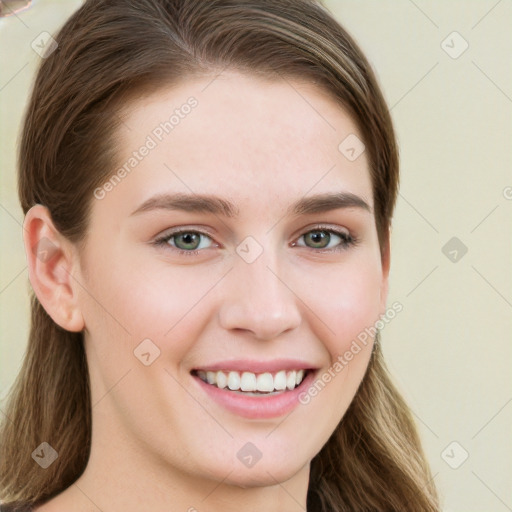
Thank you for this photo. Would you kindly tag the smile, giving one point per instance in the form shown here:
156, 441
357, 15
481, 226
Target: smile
255, 389
253, 383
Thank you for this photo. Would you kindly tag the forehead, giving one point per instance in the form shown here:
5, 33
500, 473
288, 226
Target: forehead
238, 136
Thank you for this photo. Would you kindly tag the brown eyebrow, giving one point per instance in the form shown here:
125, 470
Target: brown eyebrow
202, 203
321, 203
189, 203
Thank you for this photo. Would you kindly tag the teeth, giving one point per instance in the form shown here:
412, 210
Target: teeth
248, 382
265, 382
290, 380
251, 382
221, 379
280, 381
234, 381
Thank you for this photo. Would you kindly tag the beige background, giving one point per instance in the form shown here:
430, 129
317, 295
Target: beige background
449, 349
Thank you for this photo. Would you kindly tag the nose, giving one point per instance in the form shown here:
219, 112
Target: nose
258, 300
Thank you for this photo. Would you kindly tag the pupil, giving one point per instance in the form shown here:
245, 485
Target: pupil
319, 236
188, 238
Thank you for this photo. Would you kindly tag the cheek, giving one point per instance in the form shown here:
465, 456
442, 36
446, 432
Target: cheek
345, 307
346, 301
127, 303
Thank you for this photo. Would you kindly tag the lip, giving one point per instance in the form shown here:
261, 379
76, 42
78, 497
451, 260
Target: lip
254, 366
257, 407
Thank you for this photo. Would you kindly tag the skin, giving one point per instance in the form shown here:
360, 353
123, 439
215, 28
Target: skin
158, 441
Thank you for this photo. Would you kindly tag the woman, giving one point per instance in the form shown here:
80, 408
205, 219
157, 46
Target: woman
208, 190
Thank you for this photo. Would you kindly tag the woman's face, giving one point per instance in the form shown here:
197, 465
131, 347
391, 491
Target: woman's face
276, 272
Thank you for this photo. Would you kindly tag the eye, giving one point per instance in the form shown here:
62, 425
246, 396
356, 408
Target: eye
321, 237
187, 242
190, 242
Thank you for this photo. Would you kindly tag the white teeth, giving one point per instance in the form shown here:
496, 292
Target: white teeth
250, 382
290, 380
234, 381
265, 382
222, 381
280, 381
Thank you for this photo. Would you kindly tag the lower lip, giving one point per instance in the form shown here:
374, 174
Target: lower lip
257, 407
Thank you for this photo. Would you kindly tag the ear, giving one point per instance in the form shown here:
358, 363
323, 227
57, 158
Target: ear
51, 262
386, 262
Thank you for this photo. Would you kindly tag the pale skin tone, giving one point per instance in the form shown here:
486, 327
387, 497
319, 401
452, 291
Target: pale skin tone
158, 442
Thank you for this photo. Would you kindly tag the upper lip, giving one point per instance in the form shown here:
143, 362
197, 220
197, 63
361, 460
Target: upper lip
257, 366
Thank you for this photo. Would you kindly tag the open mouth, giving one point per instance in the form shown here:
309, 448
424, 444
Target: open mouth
254, 384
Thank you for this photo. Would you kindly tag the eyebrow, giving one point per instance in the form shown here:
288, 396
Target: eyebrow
203, 203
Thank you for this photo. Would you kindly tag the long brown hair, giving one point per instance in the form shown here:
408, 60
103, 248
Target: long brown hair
108, 51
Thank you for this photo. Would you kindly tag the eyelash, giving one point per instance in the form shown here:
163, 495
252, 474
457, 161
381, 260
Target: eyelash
347, 240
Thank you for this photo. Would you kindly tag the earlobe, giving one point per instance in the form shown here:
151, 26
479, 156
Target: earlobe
50, 261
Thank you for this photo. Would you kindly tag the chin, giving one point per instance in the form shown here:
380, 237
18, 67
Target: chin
264, 475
